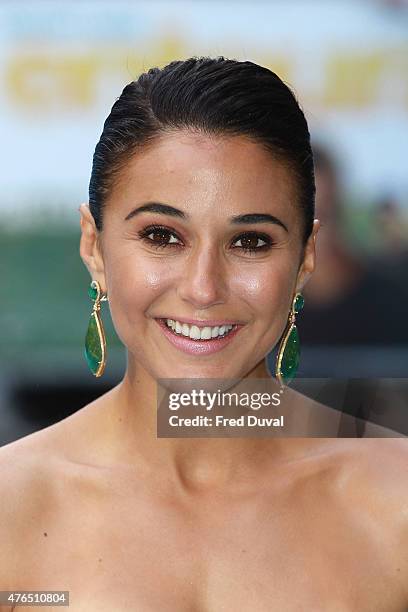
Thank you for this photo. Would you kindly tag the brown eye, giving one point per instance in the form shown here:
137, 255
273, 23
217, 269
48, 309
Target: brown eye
158, 236
162, 236
252, 241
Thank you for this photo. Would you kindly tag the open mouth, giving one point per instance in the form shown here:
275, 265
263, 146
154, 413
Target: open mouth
193, 332
198, 339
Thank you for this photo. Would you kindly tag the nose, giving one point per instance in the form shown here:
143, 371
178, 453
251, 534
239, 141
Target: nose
203, 282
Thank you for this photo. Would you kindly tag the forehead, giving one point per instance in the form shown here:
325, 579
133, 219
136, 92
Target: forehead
188, 169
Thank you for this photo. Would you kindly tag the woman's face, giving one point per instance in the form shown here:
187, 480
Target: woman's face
203, 232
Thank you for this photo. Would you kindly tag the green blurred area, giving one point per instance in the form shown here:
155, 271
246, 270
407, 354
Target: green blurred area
44, 301
369, 233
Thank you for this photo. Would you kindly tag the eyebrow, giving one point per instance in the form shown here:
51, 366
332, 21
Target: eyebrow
165, 209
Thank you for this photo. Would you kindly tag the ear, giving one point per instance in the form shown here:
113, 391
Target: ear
309, 259
90, 246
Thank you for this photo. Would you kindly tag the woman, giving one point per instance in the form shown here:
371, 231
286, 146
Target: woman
201, 214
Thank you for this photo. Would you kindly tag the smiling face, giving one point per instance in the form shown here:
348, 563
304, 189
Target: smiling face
199, 233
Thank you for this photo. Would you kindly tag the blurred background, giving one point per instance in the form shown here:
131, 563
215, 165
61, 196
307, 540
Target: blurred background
63, 64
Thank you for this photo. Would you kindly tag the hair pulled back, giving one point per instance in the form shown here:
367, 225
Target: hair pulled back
216, 96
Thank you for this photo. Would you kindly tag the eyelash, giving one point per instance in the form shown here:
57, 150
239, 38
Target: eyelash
144, 235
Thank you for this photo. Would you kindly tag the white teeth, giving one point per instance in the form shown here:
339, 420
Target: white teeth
185, 330
195, 333
206, 333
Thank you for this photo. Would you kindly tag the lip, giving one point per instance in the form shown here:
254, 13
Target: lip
198, 347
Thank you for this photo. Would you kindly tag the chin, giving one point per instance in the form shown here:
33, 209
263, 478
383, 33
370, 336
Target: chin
210, 381
202, 371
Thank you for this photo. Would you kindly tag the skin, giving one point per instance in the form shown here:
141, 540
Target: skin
100, 506
206, 278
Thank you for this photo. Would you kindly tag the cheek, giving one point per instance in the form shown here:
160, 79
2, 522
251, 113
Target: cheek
266, 287
133, 283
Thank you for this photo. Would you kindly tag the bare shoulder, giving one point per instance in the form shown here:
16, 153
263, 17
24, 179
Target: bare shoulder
377, 466
25, 474
36, 471
368, 480
24, 464
374, 483
386, 461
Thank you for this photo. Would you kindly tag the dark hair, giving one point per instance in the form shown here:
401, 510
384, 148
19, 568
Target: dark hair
212, 95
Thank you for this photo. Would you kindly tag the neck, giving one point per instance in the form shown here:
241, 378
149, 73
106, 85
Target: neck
189, 463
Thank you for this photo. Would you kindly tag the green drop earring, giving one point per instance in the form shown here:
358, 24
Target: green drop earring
95, 342
287, 360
